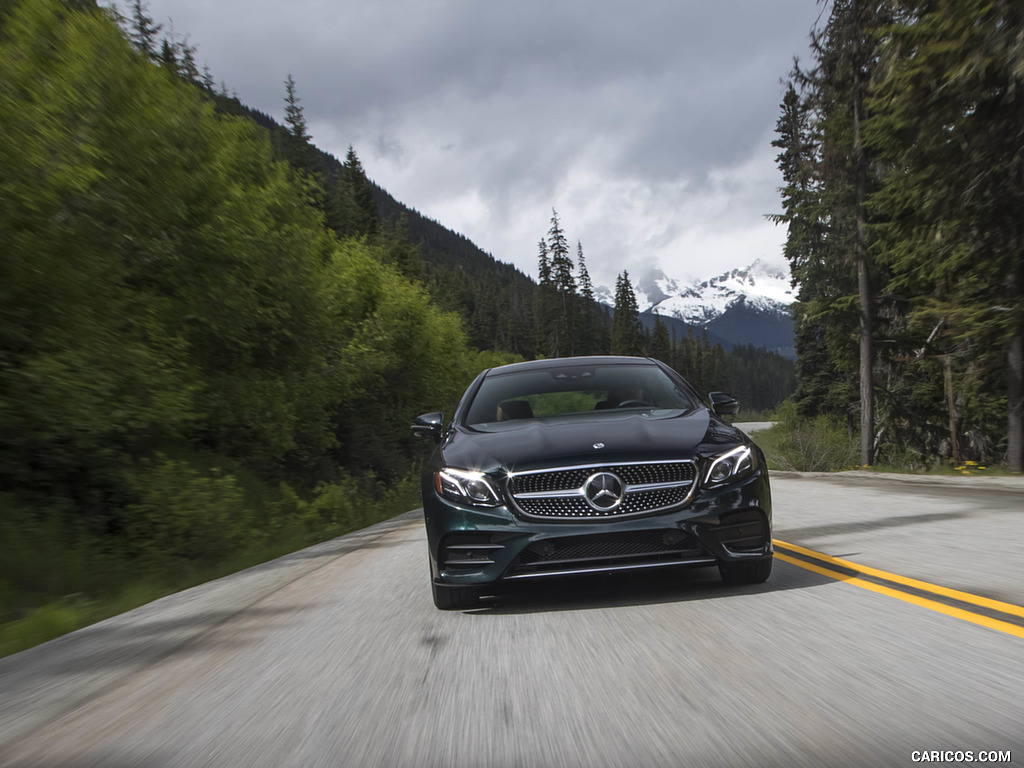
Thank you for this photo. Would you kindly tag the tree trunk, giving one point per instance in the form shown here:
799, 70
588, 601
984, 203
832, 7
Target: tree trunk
947, 370
867, 392
1015, 368
1015, 391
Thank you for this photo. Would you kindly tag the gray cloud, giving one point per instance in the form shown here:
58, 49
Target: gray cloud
646, 124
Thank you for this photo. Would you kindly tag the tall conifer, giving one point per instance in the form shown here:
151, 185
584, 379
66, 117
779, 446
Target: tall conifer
627, 333
563, 282
293, 113
661, 343
586, 287
546, 316
543, 264
847, 60
143, 31
355, 177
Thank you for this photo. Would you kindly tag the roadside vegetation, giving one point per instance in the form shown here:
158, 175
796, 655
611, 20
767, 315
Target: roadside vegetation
900, 146
204, 362
801, 444
825, 443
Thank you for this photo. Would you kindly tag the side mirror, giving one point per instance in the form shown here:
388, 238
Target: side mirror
429, 425
723, 403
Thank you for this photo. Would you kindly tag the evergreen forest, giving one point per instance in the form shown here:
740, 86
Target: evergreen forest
214, 336
901, 144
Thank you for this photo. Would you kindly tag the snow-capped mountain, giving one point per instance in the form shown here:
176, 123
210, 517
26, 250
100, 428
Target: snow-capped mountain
741, 306
761, 286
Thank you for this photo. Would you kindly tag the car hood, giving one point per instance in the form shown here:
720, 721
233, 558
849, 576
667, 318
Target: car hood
565, 440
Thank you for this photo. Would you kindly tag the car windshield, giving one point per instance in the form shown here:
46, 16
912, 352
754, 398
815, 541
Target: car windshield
574, 389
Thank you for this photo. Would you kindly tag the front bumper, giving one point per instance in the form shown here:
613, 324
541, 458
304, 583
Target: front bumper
475, 547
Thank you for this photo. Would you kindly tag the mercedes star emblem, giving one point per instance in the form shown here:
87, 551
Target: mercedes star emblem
604, 491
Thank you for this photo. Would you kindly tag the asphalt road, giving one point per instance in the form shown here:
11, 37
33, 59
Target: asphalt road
336, 656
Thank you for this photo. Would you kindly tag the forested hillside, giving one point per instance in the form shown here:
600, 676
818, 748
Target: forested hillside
902, 150
192, 364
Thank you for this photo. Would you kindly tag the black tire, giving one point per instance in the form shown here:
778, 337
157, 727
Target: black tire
753, 572
455, 598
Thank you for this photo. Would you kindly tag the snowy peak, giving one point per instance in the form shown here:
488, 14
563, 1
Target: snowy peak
652, 287
749, 306
761, 287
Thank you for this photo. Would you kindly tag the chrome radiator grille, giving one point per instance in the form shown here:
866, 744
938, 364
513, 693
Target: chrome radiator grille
605, 491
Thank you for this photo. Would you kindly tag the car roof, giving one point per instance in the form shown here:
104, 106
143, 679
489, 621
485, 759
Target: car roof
559, 362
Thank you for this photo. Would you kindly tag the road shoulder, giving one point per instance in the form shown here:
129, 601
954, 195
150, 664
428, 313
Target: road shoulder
40, 683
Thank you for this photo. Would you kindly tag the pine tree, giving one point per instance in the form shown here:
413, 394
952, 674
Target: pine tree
829, 174
298, 151
561, 263
586, 287
208, 82
546, 314
187, 68
143, 30
627, 333
543, 264
167, 57
563, 282
589, 318
661, 344
847, 60
294, 114
297, 146
825, 283
355, 178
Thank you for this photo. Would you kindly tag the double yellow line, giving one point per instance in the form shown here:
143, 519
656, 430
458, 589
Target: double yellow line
811, 561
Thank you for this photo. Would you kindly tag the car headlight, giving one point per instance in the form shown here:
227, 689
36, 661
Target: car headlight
466, 487
731, 466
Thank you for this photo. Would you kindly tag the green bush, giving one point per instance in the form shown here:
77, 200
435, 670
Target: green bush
337, 505
185, 514
821, 444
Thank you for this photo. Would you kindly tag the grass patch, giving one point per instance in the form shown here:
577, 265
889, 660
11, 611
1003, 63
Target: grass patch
34, 614
947, 469
768, 441
72, 612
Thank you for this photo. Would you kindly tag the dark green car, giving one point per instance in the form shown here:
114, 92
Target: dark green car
587, 465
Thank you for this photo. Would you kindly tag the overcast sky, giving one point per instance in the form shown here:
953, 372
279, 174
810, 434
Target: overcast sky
647, 124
